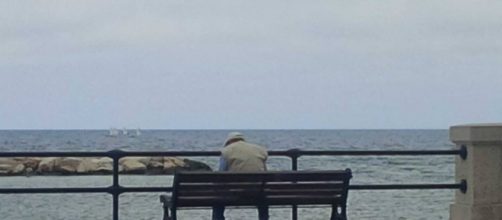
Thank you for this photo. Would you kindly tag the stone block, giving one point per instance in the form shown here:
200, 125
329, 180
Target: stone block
477, 212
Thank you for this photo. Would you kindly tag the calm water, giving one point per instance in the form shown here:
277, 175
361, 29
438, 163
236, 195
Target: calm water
384, 205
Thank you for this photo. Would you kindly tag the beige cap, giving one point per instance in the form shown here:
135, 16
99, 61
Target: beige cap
232, 136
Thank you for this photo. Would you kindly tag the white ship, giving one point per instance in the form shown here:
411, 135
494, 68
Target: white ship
113, 132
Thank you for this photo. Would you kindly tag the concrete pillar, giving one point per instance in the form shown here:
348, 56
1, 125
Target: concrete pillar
482, 169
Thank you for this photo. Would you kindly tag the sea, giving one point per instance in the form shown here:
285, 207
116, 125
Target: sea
362, 204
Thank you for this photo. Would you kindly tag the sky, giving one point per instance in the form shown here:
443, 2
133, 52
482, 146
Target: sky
253, 64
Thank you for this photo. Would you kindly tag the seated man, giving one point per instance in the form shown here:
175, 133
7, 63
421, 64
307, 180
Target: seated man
238, 155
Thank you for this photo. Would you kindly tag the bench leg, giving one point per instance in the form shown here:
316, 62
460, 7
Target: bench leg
166, 214
263, 212
173, 214
335, 215
218, 213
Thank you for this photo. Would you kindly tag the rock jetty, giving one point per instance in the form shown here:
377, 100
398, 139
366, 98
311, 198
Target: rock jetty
96, 166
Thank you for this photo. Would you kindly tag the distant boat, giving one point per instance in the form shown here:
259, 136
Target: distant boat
113, 132
135, 133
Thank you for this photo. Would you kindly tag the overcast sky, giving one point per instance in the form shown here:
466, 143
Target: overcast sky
289, 64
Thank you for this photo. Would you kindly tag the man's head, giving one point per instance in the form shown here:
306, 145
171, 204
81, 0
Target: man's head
233, 137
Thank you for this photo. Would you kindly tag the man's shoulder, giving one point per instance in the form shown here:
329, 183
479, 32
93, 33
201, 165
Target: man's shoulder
242, 143
259, 146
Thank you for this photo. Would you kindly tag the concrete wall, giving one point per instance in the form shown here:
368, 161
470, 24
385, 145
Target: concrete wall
482, 169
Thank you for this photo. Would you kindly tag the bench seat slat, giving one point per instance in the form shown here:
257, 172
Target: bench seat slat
208, 201
247, 192
303, 200
215, 193
278, 185
300, 192
222, 177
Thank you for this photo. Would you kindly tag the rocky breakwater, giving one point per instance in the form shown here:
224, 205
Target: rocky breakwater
96, 166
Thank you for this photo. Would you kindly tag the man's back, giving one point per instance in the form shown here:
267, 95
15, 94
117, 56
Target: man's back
240, 156
243, 156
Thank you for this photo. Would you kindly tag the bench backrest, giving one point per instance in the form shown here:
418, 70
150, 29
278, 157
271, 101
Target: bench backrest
199, 189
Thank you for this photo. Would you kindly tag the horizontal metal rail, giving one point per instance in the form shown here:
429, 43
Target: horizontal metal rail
462, 186
115, 189
287, 153
83, 190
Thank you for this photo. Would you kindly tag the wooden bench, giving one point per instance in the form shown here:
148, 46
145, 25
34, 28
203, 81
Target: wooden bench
272, 188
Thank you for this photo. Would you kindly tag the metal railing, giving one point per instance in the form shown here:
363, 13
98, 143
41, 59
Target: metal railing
116, 189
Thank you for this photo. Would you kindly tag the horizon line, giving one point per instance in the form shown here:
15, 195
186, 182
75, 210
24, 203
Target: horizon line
210, 129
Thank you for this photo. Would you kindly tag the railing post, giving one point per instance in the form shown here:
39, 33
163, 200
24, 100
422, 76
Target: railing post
482, 170
294, 154
115, 188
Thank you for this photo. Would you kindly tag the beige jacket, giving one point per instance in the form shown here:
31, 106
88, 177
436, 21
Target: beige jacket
243, 156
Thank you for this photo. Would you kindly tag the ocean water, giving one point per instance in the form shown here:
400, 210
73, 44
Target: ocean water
374, 205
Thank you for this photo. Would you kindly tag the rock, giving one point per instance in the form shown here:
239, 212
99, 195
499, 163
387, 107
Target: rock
5, 166
104, 160
19, 169
157, 159
177, 161
18, 158
169, 167
47, 165
32, 162
67, 165
104, 170
87, 166
144, 160
11, 166
5, 169
8, 165
9, 161
171, 164
28, 171
196, 165
133, 166
105, 165
155, 167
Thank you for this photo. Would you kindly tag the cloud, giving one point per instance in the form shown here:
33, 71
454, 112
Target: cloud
355, 26
266, 58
